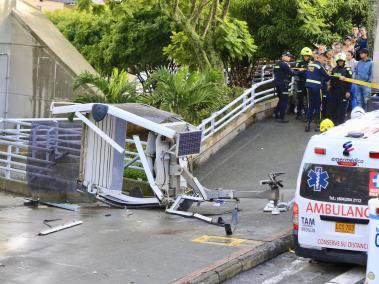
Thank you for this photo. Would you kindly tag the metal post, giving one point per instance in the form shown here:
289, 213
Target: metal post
244, 99
213, 123
18, 129
5, 114
252, 95
9, 159
263, 73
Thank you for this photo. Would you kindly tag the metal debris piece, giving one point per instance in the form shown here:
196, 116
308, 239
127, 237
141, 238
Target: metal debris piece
66, 206
31, 202
59, 228
47, 221
35, 202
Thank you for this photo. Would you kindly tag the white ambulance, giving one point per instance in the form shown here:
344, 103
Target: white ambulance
338, 175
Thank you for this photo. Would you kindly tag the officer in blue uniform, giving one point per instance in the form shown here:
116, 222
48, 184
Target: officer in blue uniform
306, 54
282, 78
316, 75
339, 90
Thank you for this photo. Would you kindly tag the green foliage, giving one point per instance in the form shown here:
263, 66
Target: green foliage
120, 34
117, 89
233, 40
86, 32
84, 5
193, 95
206, 37
293, 24
135, 174
136, 44
179, 48
140, 35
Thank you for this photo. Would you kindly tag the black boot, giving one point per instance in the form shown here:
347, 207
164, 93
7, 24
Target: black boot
308, 126
317, 126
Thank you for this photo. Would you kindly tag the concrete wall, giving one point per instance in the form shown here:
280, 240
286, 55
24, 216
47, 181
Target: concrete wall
41, 66
23, 189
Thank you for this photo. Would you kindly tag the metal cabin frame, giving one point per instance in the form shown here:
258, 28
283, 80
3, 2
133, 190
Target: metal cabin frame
102, 164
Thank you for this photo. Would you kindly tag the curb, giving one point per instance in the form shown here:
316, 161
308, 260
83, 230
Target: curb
238, 262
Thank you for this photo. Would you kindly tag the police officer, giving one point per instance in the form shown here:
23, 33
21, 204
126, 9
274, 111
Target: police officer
282, 77
316, 75
339, 90
302, 65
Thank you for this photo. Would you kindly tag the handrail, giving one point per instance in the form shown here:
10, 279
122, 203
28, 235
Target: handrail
239, 105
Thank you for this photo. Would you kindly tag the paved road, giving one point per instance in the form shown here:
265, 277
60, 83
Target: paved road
289, 269
266, 146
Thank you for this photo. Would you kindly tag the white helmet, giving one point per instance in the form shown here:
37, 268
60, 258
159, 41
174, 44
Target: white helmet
357, 112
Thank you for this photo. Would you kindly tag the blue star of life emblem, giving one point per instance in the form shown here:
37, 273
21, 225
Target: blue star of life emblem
318, 179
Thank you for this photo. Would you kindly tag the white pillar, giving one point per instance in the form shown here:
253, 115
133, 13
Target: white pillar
375, 56
372, 271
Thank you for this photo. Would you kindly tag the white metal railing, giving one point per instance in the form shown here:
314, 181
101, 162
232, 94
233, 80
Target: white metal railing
132, 158
16, 147
20, 143
247, 100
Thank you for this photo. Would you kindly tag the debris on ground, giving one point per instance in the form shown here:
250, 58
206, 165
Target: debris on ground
59, 228
66, 206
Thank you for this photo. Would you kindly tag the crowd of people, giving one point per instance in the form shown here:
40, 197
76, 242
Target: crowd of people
323, 89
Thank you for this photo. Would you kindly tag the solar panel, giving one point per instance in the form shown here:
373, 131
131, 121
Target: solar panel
188, 143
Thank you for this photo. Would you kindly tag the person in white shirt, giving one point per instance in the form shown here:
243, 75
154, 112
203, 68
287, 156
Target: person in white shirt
352, 64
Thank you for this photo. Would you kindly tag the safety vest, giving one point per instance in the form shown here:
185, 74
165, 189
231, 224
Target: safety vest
316, 75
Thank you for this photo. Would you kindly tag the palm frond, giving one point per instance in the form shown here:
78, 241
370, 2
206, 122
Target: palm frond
87, 78
193, 95
116, 90
89, 98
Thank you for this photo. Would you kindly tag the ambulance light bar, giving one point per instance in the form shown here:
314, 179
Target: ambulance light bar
374, 155
320, 151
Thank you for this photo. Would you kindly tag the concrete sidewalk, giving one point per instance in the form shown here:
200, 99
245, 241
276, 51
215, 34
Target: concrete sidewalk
149, 246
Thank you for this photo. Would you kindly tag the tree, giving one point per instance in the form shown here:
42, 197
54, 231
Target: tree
86, 32
199, 23
136, 44
290, 25
117, 89
121, 34
191, 94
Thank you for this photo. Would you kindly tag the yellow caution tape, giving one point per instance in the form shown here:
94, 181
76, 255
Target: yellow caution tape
362, 83
359, 82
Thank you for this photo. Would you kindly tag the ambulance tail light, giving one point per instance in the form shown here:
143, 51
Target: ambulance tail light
295, 216
377, 211
374, 155
320, 151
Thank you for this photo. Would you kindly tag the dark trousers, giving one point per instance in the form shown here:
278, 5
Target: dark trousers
337, 106
281, 107
314, 104
325, 104
301, 97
